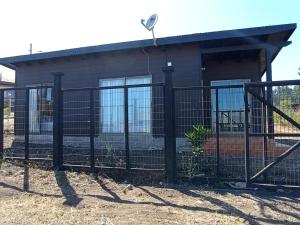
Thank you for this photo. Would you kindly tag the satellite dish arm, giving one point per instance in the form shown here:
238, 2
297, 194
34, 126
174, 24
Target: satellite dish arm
154, 39
143, 23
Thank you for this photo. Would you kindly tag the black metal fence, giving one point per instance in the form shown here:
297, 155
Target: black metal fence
273, 135
218, 109
121, 126
244, 132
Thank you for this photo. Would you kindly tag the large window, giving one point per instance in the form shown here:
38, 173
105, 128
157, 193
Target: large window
231, 106
112, 105
40, 110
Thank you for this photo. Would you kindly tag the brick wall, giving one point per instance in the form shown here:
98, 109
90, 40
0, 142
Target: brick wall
234, 146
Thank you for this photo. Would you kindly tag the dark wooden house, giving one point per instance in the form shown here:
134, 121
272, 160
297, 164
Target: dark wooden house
203, 59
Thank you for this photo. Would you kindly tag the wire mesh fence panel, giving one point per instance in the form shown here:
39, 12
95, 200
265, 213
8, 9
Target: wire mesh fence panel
209, 131
76, 127
195, 138
274, 134
123, 121
231, 129
109, 127
146, 127
14, 115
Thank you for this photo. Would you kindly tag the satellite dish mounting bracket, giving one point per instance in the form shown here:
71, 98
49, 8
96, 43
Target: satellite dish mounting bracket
150, 25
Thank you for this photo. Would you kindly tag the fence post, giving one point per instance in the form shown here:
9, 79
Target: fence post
1, 124
126, 128
170, 135
57, 121
246, 125
268, 57
217, 132
265, 143
26, 145
92, 130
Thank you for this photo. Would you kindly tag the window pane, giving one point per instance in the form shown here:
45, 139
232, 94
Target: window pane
231, 103
112, 106
34, 125
40, 110
139, 105
46, 109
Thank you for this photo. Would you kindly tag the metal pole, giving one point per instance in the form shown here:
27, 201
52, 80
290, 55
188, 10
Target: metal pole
126, 128
57, 121
1, 124
92, 130
265, 143
246, 135
268, 57
170, 135
217, 133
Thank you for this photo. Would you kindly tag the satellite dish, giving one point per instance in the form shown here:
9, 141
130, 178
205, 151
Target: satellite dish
150, 25
150, 22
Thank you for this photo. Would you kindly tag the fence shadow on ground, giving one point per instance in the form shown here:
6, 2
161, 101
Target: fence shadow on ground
67, 190
263, 200
226, 208
18, 189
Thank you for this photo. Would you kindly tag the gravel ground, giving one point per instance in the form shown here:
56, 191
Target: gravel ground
76, 198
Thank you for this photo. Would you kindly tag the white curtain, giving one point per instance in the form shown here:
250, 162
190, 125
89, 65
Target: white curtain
112, 106
139, 105
33, 111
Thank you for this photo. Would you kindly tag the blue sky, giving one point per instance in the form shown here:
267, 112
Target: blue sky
60, 24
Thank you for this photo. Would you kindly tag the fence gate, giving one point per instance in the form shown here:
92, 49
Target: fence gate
272, 134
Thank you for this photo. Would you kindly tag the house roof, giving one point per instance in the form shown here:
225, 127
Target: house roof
7, 83
275, 33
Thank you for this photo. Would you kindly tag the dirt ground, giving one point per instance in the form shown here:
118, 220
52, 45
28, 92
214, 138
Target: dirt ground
77, 198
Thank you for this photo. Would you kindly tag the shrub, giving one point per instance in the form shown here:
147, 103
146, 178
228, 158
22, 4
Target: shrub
6, 111
197, 137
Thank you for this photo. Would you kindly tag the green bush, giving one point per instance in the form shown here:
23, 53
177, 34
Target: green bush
197, 137
6, 110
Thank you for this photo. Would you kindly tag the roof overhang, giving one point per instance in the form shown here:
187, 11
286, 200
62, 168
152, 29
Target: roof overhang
230, 40
7, 83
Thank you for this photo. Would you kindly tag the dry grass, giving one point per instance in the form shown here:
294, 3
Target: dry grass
72, 198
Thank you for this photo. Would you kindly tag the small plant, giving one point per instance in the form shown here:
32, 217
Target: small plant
110, 156
189, 165
6, 111
197, 137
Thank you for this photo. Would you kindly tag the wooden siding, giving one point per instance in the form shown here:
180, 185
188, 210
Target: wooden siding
85, 71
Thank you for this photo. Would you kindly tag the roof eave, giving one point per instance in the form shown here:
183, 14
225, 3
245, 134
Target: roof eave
10, 62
